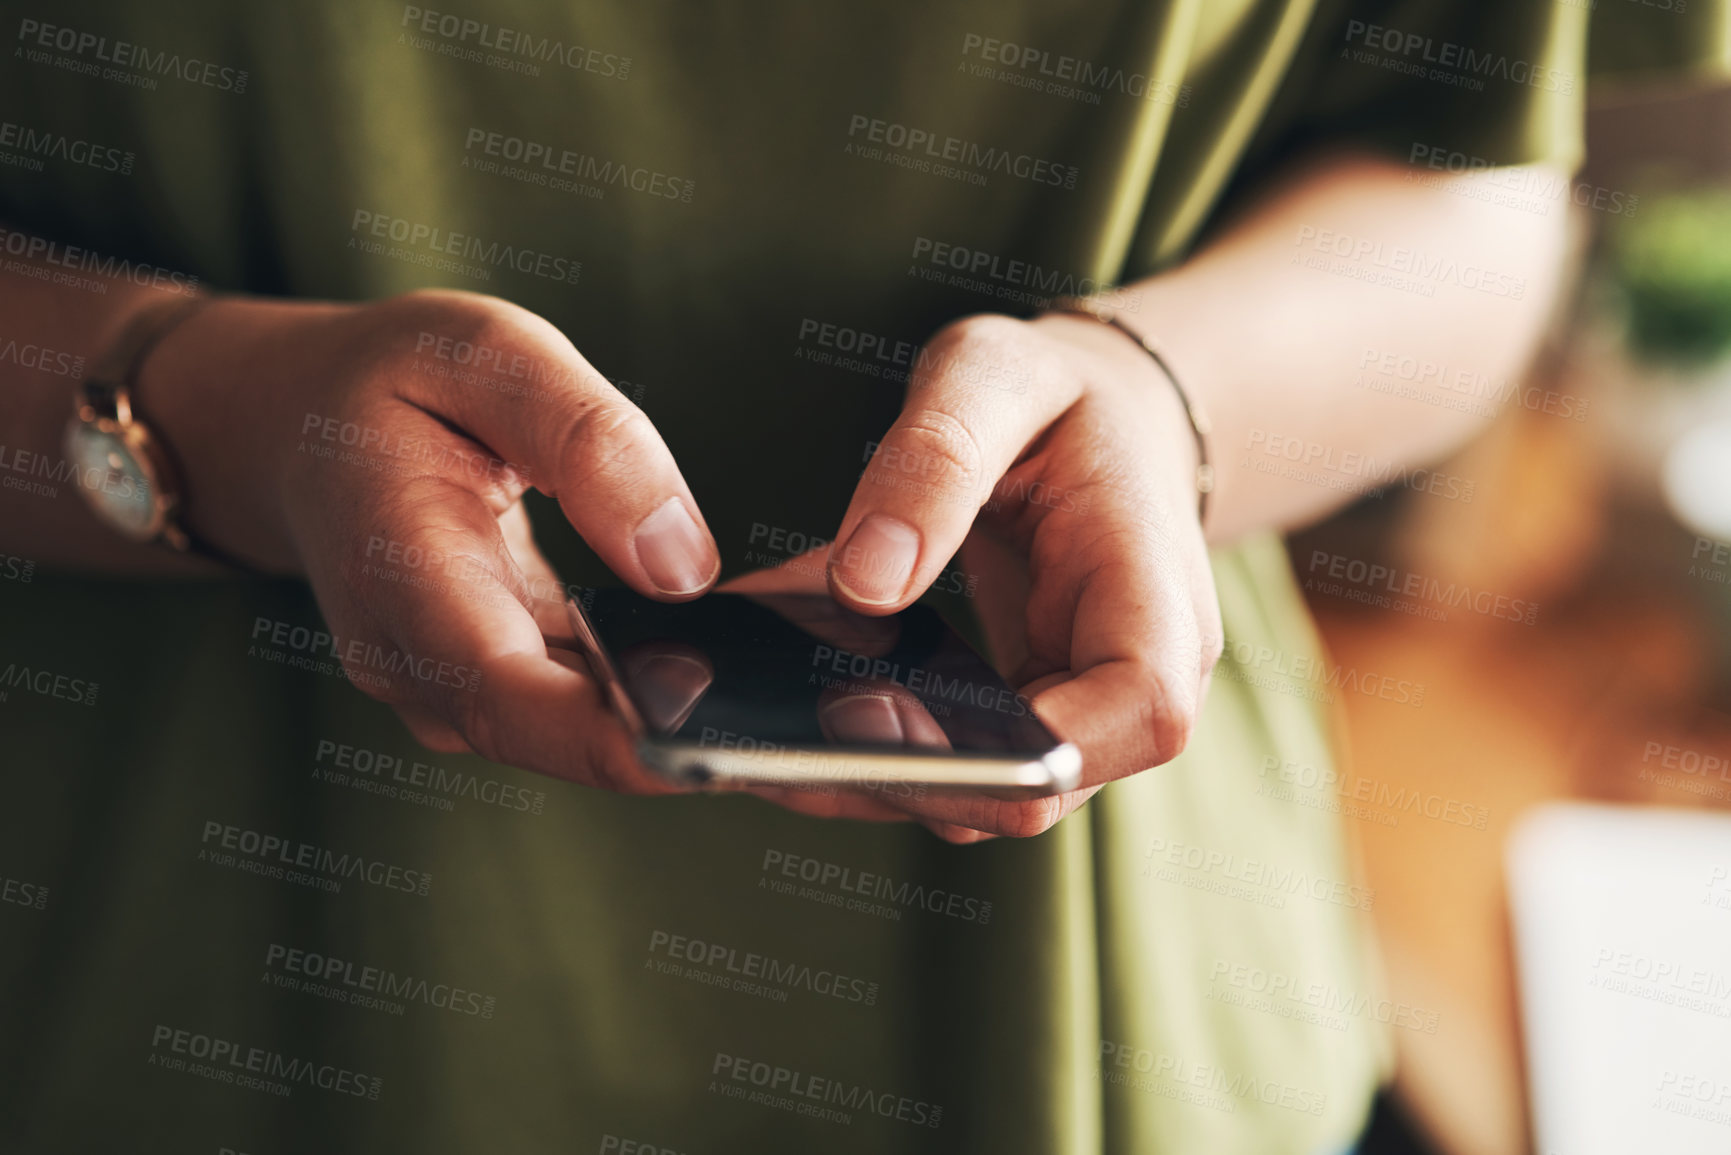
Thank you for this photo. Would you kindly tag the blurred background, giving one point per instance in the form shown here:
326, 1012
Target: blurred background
1602, 504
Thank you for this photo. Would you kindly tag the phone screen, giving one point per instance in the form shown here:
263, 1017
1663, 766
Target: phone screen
762, 672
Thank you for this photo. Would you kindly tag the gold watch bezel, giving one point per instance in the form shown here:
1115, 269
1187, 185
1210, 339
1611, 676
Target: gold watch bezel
148, 457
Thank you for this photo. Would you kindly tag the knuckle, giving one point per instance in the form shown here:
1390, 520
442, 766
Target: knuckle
1213, 643
984, 350
1172, 702
390, 691
407, 326
1028, 819
983, 334
946, 450
450, 312
476, 716
1171, 735
599, 438
438, 739
351, 645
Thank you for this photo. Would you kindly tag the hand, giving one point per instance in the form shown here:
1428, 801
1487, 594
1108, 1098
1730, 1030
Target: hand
1054, 456
382, 450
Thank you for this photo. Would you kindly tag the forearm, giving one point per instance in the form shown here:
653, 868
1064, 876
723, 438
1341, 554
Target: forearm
207, 389
1275, 349
50, 337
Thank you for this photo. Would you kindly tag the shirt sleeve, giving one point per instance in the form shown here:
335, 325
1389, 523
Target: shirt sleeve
1503, 82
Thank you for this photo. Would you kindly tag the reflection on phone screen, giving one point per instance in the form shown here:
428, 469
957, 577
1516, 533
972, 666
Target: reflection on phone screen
798, 670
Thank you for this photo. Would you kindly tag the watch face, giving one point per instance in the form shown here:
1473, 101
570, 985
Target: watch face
116, 482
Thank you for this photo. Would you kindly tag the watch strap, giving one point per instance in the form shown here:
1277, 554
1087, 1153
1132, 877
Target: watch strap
115, 372
108, 389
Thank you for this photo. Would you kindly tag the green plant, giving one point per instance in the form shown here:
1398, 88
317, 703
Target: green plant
1672, 265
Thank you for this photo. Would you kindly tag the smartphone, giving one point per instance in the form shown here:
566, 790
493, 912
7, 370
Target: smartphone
736, 690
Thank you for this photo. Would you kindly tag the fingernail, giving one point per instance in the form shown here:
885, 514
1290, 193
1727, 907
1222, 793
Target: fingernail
877, 561
673, 551
864, 718
668, 687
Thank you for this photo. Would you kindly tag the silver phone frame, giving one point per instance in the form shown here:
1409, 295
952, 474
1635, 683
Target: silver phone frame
695, 766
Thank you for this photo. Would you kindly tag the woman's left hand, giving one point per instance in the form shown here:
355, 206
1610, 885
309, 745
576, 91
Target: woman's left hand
1055, 456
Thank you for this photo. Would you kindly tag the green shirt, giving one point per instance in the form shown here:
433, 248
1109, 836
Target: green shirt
244, 910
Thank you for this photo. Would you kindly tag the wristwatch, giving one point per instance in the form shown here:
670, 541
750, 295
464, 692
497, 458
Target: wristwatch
126, 472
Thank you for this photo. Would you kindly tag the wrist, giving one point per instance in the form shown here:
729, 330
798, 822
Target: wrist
206, 390
1125, 360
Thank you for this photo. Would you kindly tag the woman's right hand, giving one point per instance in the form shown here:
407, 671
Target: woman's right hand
354, 445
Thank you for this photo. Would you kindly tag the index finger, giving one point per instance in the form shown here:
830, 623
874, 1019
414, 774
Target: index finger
582, 441
958, 433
